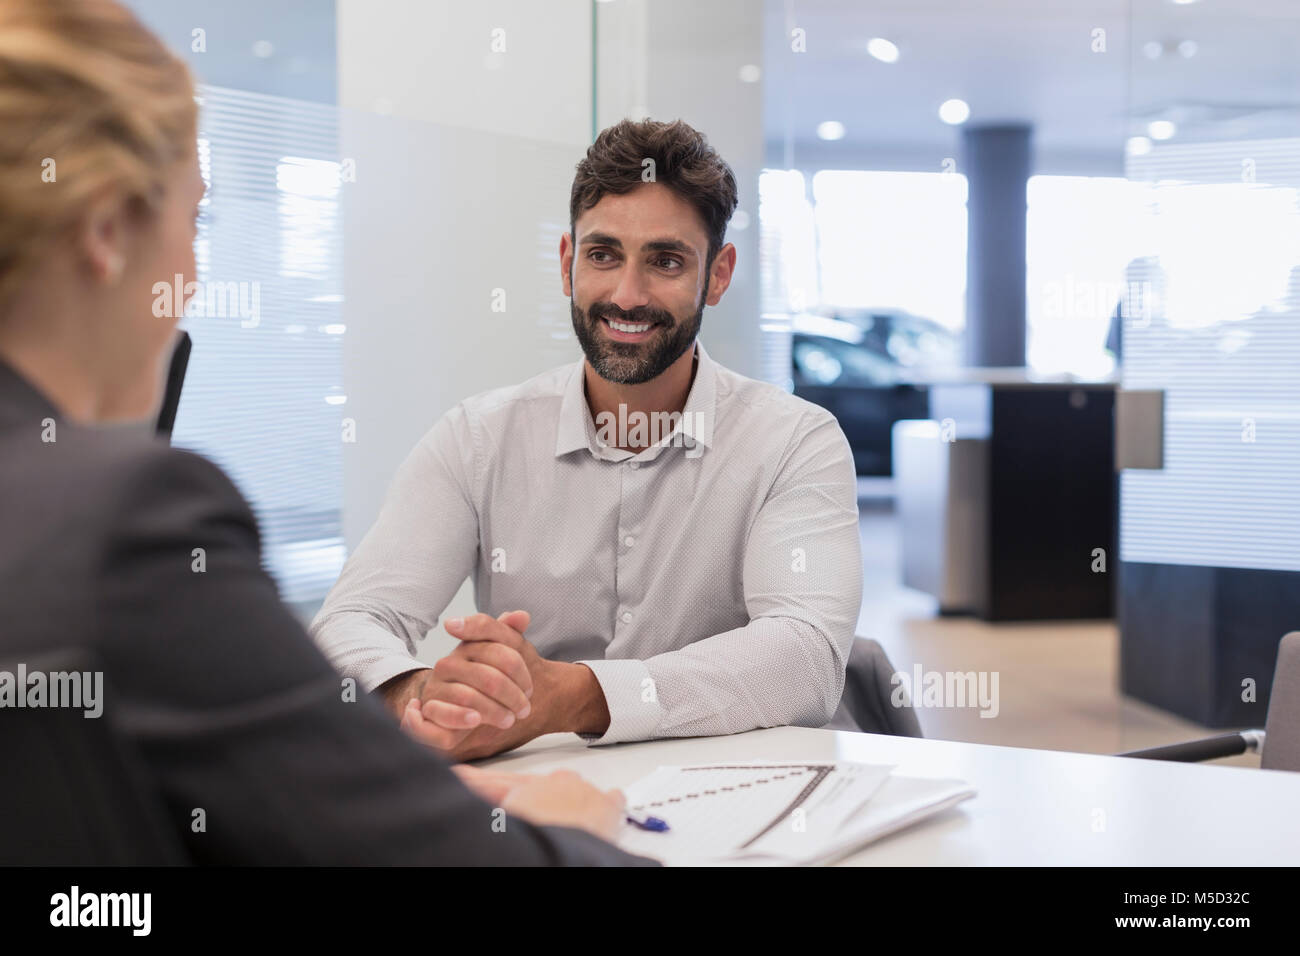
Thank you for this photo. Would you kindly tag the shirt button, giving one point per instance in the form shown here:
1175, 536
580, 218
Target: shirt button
634, 465
629, 541
627, 617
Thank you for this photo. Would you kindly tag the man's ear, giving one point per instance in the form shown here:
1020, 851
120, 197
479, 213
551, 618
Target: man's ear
566, 264
720, 273
101, 238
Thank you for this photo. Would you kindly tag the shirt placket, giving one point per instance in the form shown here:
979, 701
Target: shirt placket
629, 582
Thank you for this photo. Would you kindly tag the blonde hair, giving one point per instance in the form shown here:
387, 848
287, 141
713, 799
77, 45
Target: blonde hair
82, 83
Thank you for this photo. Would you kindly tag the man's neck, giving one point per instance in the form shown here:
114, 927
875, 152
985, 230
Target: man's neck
666, 392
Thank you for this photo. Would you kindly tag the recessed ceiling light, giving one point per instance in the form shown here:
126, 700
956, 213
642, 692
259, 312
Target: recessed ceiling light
263, 49
882, 50
750, 73
1161, 129
1187, 49
830, 130
1152, 49
1183, 3
954, 112
1137, 146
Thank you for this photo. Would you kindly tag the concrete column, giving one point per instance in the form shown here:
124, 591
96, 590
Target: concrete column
997, 163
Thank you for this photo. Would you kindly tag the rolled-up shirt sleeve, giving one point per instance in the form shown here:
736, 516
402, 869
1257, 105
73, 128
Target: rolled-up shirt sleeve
803, 592
410, 564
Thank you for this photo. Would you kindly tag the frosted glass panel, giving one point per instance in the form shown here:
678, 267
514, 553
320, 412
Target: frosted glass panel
1214, 321
451, 265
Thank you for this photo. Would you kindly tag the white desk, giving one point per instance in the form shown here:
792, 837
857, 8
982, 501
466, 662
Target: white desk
1034, 807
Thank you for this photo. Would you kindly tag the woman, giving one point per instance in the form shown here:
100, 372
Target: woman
148, 557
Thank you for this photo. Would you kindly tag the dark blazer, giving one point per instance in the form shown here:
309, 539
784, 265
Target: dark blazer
211, 680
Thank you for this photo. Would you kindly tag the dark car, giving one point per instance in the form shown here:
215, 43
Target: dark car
856, 364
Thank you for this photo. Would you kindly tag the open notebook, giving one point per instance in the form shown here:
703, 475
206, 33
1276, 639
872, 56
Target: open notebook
779, 812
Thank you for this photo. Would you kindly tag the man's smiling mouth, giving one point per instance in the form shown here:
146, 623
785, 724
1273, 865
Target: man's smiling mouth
629, 326
621, 331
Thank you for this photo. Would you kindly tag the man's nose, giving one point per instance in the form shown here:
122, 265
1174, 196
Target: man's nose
631, 292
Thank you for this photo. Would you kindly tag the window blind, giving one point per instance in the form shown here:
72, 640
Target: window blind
263, 395
1220, 334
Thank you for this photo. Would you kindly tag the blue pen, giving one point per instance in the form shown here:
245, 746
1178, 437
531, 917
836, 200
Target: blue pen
649, 823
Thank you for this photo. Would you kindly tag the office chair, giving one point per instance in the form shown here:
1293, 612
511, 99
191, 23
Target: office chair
1278, 743
75, 792
866, 705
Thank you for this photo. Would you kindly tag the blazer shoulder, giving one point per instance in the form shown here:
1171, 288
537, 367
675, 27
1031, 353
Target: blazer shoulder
149, 465
116, 479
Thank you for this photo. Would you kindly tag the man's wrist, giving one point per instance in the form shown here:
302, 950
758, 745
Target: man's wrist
396, 691
578, 701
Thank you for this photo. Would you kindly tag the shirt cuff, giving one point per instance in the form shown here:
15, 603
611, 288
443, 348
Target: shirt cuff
632, 699
386, 668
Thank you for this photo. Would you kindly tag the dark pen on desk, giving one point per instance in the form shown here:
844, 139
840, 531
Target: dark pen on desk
654, 824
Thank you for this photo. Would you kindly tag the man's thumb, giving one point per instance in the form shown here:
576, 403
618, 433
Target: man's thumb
519, 620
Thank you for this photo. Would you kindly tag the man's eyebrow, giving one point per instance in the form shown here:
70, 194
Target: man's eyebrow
654, 245
600, 239
669, 245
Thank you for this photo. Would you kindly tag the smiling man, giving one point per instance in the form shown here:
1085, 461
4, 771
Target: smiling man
659, 546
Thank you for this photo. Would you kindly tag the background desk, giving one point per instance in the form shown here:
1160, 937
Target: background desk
1034, 807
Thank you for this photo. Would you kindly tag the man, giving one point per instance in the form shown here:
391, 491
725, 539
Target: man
703, 578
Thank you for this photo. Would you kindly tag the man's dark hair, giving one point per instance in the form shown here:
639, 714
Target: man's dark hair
683, 161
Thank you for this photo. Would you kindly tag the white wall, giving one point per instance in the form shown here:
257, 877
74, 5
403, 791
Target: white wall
464, 158
460, 190
442, 61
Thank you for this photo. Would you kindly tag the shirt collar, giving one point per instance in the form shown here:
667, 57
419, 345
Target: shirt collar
577, 430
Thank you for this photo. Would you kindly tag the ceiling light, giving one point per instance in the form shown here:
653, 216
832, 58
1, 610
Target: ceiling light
1137, 146
954, 112
1187, 49
1161, 129
1152, 49
830, 130
882, 50
750, 73
263, 49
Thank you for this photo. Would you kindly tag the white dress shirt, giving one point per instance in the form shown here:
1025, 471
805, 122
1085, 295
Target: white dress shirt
711, 581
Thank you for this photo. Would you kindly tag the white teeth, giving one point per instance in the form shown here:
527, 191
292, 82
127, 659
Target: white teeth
624, 327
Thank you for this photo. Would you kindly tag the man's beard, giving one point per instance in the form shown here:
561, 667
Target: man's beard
631, 363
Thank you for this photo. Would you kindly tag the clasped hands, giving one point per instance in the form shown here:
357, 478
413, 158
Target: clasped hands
494, 692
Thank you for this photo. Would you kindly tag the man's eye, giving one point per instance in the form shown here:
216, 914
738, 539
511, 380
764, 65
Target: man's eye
596, 255
668, 262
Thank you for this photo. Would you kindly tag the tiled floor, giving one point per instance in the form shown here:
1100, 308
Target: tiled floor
1057, 681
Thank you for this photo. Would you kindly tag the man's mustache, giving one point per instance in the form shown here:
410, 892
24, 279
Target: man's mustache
637, 316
